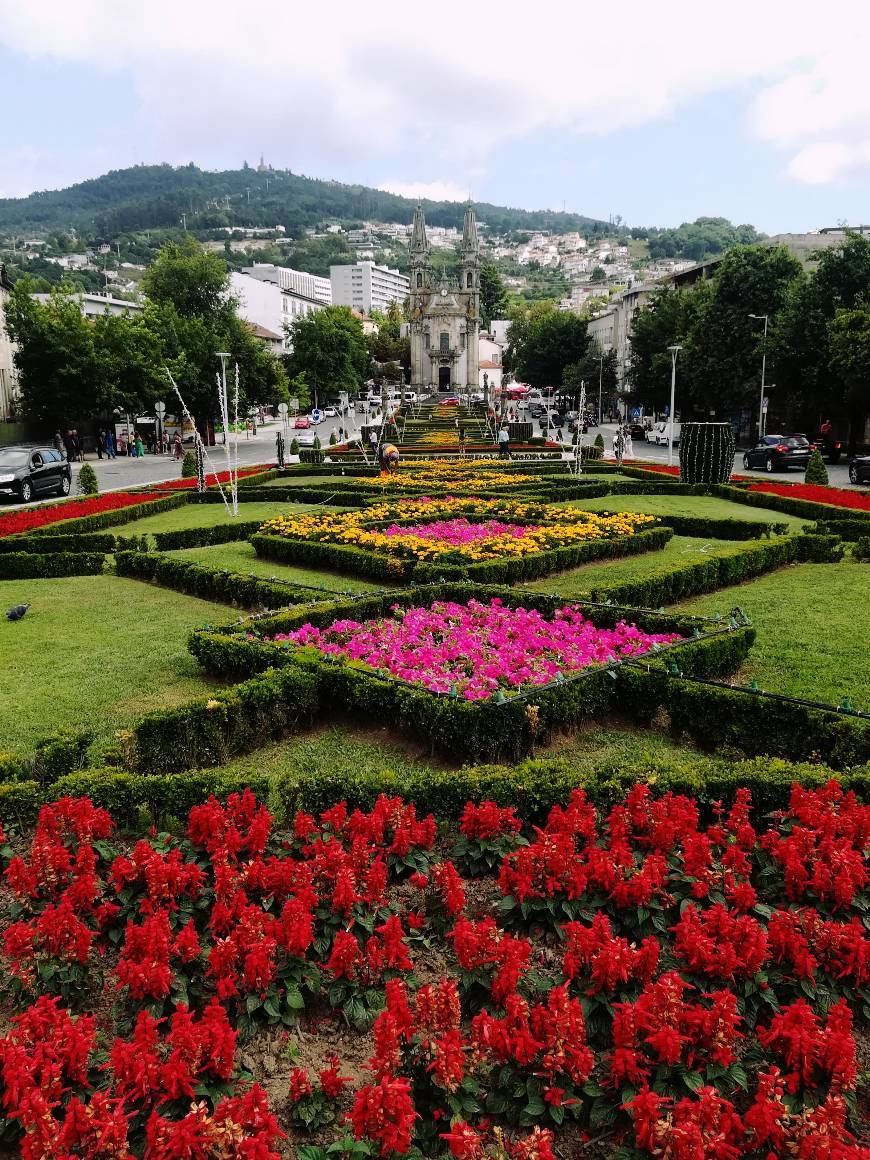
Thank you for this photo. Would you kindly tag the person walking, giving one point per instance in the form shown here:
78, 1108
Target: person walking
101, 445
110, 443
628, 449
618, 446
140, 448
58, 444
176, 442
504, 450
461, 442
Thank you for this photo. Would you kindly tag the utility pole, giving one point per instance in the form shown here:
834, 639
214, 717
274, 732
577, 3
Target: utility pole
758, 317
675, 350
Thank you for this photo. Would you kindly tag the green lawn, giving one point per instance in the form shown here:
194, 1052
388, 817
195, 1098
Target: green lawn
94, 652
350, 751
207, 515
709, 506
678, 550
812, 629
241, 557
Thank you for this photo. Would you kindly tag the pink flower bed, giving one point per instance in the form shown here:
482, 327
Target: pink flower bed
461, 531
477, 648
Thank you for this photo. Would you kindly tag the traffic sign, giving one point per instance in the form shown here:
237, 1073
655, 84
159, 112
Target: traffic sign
282, 408
764, 405
635, 412
159, 410
316, 415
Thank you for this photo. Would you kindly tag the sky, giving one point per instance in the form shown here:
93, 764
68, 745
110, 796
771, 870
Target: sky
755, 111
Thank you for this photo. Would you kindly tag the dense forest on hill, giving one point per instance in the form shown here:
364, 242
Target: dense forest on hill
156, 196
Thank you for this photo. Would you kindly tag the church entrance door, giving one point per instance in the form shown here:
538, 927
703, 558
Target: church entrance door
444, 380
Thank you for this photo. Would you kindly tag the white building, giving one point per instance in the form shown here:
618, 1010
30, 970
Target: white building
366, 286
94, 305
269, 306
297, 281
490, 362
7, 364
498, 329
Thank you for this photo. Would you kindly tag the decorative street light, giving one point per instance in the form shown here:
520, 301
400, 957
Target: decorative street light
675, 350
759, 317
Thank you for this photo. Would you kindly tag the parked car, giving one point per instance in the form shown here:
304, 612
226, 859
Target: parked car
778, 453
302, 423
26, 472
636, 430
859, 469
650, 434
330, 412
307, 439
409, 396
556, 419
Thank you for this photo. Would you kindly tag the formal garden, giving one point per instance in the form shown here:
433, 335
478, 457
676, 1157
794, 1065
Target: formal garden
478, 809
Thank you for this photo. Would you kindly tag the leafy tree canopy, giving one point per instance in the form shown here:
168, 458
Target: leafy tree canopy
543, 341
329, 348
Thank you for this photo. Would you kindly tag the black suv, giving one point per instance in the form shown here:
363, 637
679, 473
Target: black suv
28, 472
779, 453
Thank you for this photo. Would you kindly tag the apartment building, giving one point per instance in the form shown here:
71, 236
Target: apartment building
366, 286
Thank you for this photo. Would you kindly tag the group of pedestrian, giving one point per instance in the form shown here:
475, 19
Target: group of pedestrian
69, 445
622, 445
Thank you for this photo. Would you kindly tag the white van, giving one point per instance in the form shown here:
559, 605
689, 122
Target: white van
663, 434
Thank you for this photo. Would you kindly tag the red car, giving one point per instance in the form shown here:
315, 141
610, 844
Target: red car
451, 402
302, 423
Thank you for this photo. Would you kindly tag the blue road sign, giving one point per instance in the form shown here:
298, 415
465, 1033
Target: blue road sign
635, 412
316, 415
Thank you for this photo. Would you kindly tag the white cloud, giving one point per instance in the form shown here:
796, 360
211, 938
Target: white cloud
313, 85
423, 190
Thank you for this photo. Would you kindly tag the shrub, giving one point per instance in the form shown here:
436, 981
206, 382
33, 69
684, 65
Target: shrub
861, 551
599, 441
188, 466
816, 471
294, 447
38, 566
76, 542
333, 439
88, 480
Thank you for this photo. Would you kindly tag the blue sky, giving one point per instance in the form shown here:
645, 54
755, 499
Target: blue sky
757, 113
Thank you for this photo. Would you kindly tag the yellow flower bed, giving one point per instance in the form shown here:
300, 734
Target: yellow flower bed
551, 527
447, 473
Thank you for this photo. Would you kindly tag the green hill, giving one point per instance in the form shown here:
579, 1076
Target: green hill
155, 197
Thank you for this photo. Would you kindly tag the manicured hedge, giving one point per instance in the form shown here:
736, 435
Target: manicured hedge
533, 786
40, 566
211, 730
40, 543
723, 529
204, 537
850, 529
381, 566
211, 583
719, 569
719, 717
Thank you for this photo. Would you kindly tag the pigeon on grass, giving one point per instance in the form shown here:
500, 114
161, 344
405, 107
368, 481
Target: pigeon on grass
17, 611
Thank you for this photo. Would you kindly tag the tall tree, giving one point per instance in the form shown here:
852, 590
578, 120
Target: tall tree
722, 360
59, 373
543, 342
329, 348
386, 345
494, 297
666, 320
849, 347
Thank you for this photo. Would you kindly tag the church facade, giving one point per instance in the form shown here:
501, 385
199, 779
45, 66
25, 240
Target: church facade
444, 318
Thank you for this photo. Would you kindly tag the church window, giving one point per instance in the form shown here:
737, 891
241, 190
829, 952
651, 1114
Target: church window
419, 281
468, 279
445, 342
462, 340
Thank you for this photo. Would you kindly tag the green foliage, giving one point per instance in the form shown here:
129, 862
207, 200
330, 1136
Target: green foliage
861, 551
188, 466
699, 239
294, 446
599, 441
329, 348
494, 297
333, 439
76, 542
666, 320
36, 566
543, 342
209, 583
816, 472
88, 480
849, 343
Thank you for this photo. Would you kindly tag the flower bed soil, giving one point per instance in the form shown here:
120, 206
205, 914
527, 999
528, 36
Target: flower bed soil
669, 984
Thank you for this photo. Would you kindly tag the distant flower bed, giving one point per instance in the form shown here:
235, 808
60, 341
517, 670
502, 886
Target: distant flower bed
544, 527
476, 649
210, 480
461, 531
74, 509
448, 472
835, 496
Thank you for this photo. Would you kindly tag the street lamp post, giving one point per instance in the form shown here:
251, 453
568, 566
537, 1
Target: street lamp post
600, 381
675, 350
759, 317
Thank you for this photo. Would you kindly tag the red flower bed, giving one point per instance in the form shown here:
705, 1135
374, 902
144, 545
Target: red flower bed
30, 519
210, 480
686, 987
835, 496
